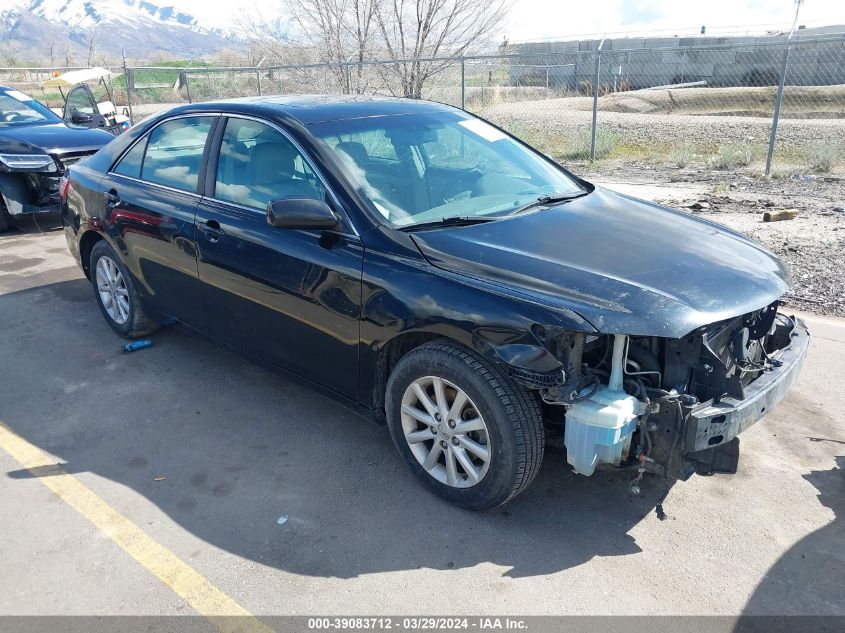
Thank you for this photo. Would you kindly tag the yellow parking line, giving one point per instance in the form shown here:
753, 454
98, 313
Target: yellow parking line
181, 578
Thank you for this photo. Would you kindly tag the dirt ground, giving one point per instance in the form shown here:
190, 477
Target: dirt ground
812, 245
558, 120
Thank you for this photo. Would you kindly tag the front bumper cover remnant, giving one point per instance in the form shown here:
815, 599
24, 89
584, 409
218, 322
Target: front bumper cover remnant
713, 424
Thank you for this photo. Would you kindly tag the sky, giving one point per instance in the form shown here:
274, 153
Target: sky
618, 17
547, 19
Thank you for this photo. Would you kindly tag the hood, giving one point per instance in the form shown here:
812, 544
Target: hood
625, 265
52, 138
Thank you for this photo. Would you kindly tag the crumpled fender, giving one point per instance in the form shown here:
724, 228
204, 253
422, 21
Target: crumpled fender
515, 349
495, 324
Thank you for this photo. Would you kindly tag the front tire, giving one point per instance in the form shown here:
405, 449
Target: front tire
5, 224
116, 295
468, 432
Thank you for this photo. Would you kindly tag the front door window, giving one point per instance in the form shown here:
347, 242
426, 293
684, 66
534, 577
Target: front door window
258, 164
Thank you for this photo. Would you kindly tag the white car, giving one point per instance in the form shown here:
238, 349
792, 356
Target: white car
81, 107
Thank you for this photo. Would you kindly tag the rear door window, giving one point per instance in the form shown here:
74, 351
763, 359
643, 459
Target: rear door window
174, 152
130, 164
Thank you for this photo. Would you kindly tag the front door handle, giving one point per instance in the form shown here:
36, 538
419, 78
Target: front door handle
112, 199
212, 231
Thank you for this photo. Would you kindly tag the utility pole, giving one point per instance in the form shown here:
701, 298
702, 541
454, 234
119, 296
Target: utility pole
595, 102
779, 97
128, 79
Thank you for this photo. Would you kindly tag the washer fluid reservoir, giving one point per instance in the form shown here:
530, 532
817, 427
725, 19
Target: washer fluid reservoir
598, 430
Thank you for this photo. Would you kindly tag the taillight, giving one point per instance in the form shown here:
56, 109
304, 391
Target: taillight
64, 185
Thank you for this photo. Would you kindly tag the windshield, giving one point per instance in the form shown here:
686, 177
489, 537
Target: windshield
16, 108
417, 169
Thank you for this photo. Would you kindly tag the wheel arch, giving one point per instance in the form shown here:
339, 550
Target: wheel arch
520, 354
406, 303
386, 359
86, 245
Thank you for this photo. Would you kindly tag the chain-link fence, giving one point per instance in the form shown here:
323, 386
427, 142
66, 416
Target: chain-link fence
712, 105
708, 106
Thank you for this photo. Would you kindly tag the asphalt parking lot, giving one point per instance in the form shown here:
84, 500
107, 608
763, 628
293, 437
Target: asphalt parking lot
178, 461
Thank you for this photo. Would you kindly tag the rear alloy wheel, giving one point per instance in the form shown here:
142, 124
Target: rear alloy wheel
116, 294
468, 432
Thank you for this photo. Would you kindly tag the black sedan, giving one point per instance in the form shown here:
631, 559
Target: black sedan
436, 274
36, 147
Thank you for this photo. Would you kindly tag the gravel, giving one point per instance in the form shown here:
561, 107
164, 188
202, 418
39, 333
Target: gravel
562, 118
812, 245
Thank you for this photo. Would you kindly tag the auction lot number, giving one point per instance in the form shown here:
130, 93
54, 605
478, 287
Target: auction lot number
423, 623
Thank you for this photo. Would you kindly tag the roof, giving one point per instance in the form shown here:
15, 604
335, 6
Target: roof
73, 77
309, 109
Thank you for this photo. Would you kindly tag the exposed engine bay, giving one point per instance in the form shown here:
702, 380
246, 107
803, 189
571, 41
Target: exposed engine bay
673, 407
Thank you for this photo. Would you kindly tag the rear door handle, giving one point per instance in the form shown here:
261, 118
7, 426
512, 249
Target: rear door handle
212, 231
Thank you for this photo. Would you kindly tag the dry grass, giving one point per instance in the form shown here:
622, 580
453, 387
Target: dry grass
606, 143
732, 155
821, 158
681, 155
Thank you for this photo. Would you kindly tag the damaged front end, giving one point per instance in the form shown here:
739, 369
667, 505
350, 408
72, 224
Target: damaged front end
671, 406
31, 183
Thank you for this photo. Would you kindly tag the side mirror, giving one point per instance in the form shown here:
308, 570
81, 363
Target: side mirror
80, 118
297, 212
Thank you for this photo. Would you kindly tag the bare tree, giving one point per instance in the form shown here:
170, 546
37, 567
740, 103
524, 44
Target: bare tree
414, 32
332, 32
343, 34
91, 41
255, 54
340, 31
364, 13
10, 55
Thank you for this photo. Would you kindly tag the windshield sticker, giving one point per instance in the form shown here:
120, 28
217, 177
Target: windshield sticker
482, 129
18, 96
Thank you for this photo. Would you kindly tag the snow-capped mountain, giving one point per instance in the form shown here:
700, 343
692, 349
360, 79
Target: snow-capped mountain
142, 27
91, 13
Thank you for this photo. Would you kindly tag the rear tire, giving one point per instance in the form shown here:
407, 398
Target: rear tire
468, 432
116, 295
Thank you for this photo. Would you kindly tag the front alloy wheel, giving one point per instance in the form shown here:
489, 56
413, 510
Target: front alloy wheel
468, 432
445, 432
